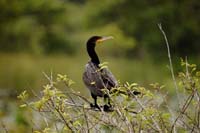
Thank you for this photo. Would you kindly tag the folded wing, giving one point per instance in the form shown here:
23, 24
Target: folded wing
96, 79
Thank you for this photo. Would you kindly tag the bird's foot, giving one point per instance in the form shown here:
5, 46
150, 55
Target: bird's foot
108, 108
95, 106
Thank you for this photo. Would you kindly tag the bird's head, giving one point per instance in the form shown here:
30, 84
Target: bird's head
91, 43
98, 39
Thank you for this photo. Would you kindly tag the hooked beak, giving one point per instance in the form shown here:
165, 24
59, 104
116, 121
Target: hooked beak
104, 39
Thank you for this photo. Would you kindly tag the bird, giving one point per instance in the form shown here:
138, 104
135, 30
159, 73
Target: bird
95, 78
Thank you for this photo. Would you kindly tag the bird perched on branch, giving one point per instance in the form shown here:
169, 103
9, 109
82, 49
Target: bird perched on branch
96, 78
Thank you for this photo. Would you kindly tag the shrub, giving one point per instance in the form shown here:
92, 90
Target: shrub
68, 110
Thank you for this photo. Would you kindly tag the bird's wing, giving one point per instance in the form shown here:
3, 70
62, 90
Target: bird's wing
96, 79
108, 78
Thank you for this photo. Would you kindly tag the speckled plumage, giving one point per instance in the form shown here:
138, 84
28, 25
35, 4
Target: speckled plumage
96, 79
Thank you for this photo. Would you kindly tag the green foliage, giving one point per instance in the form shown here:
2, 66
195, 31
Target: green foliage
50, 26
138, 20
34, 26
149, 111
46, 130
23, 96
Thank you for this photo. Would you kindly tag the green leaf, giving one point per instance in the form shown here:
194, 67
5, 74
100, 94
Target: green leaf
198, 74
23, 105
46, 130
103, 64
133, 84
36, 132
92, 83
23, 96
77, 123
70, 82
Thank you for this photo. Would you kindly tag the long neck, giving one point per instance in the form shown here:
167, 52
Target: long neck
92, 53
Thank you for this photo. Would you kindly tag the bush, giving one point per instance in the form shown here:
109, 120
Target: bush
68, 110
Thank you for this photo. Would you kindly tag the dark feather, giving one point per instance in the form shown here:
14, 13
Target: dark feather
96, 79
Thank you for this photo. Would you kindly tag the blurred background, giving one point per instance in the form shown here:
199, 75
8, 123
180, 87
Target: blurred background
39, 36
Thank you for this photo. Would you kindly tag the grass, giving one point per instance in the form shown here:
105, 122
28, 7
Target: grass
24, 71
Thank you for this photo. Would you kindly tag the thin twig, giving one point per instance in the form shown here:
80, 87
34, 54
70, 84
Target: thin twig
107, 122
170, 62
171, 66
184, 108
80, 96
61, 116
186, 68
86, 120
144, 108
4, 127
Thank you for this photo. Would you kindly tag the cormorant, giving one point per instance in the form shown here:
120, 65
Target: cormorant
96, 78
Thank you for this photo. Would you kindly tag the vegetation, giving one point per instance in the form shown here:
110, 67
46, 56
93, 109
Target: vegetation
48, 26
42, 36
68, 110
